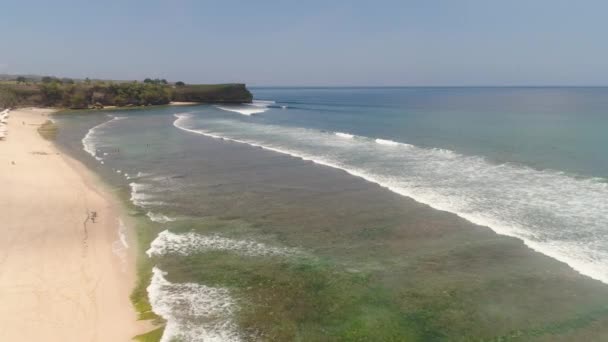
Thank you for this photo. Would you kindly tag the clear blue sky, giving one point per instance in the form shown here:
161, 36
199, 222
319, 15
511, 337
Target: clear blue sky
310, 42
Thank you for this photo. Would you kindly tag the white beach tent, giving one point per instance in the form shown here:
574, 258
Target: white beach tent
3, 122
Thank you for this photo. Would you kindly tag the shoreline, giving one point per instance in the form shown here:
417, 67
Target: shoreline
63, 274
57, 110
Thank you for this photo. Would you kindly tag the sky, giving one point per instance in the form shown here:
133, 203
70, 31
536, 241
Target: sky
311, 42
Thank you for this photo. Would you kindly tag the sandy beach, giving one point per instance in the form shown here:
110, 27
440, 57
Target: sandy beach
63, 277
177, 103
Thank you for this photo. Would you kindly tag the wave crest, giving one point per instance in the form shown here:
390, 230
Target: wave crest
182, 304
248, 109
188, 243
90, 142
344, 135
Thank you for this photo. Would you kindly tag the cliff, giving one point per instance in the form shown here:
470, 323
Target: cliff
213, 93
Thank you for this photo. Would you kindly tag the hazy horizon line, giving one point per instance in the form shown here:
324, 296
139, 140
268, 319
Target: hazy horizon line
254, 85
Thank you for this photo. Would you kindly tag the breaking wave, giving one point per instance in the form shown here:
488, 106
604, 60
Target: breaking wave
344, 135
188, 243
387, 142
120, 246
255, 107
194, 312
90, 142
160, 218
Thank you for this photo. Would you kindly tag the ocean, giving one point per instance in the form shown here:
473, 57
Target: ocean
255, 228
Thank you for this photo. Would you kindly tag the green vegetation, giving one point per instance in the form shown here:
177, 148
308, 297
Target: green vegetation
48, 130
8, 97
303, 299
146, 232
82, 94
226, 93
156, 81
151, 336
286, 298
316, 297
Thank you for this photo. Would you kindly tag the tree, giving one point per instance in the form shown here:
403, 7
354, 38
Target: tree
47, 79
67, 81
163, 81
78, 101
7, 98
21, 79
148, 80
120, 100
87, 81
180, 84
51, 93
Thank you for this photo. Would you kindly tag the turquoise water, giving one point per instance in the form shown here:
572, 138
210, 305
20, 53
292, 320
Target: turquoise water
222, 190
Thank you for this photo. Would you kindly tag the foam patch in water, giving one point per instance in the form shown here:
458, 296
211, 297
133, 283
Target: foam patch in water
194, 312
188, 243
256, 107
160, 218
91, 143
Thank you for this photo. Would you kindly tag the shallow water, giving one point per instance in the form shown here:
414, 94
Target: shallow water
309, 252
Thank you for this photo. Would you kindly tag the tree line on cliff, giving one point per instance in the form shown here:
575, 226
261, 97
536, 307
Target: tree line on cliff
67, 93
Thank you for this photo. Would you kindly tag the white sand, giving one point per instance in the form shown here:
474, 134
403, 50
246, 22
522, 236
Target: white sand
177, 103
58, 280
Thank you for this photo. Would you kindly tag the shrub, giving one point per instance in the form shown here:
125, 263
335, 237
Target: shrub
7, 98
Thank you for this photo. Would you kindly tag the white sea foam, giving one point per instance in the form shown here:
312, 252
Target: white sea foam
344, 135
194, 312
141, 174
149, 189
138, 197
387, 142
90, 142
160, 218
188, 243
122, 233
255, 107
120, 246
262, 103
562, 216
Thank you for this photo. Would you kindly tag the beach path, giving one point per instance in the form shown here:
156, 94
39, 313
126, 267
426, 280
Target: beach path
59, 277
